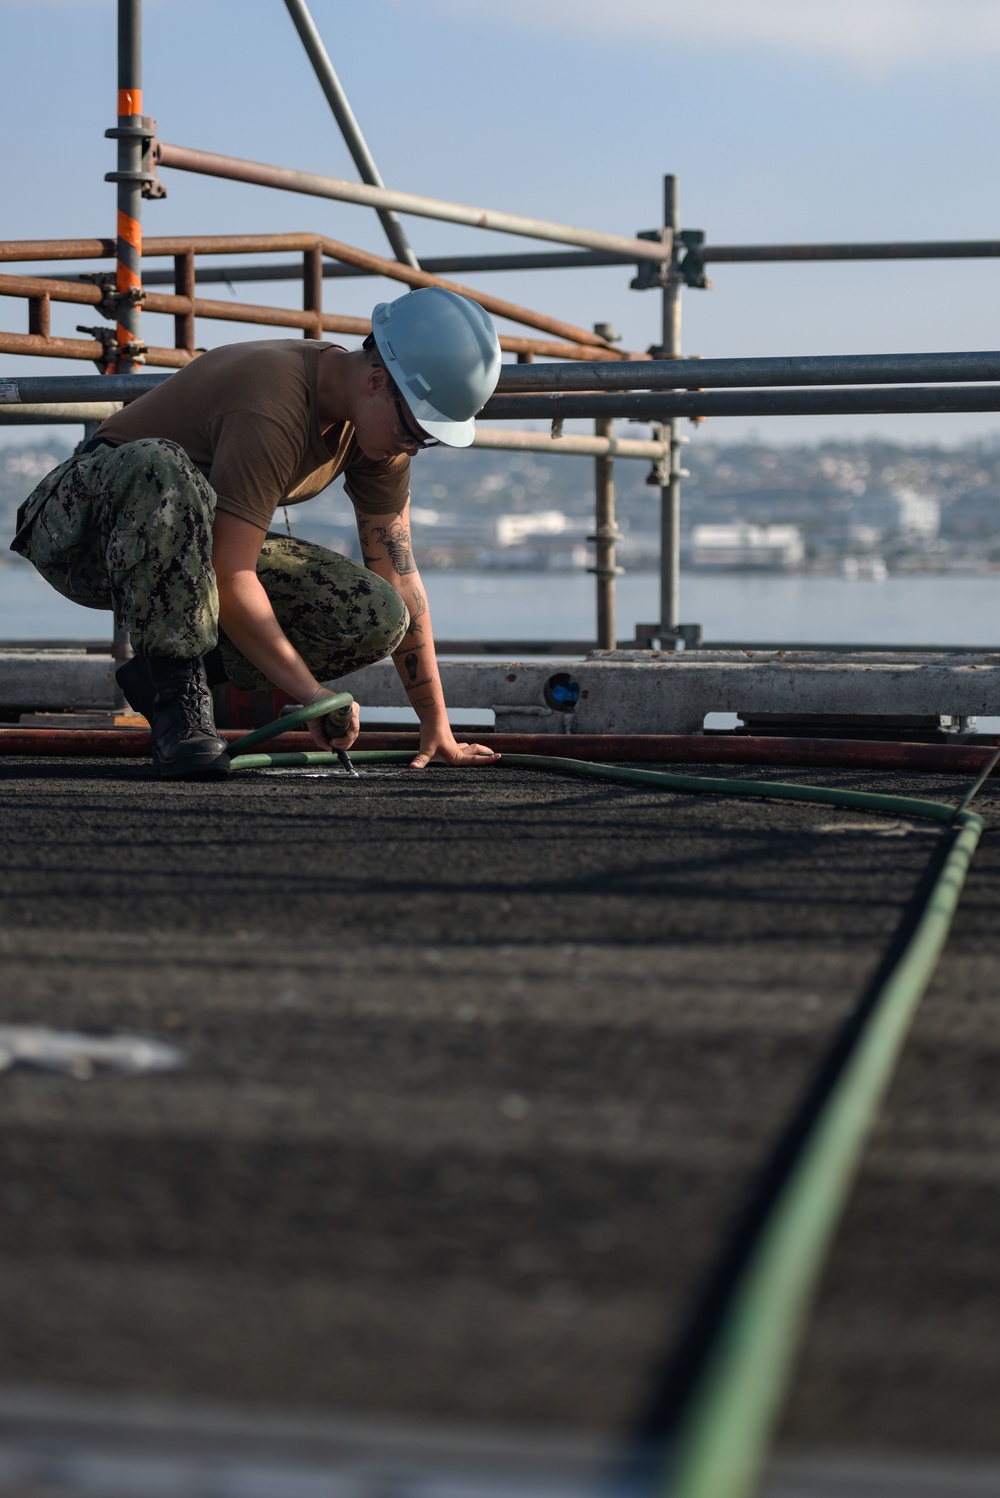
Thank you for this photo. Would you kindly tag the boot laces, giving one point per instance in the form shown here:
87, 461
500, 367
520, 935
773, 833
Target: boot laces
195, 703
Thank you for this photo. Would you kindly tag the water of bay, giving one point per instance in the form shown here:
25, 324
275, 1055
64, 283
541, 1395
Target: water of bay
904, 610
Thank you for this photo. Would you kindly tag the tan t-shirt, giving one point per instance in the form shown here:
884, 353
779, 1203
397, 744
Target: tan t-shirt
245, 414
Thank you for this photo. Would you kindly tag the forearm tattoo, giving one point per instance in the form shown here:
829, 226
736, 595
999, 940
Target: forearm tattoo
418, 608
412, 666
396, 541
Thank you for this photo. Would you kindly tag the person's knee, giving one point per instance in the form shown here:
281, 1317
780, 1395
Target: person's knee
387, 616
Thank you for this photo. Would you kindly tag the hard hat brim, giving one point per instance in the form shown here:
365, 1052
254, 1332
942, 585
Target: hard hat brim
450, 433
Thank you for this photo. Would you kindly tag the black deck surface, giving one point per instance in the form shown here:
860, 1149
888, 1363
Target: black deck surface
480, 1066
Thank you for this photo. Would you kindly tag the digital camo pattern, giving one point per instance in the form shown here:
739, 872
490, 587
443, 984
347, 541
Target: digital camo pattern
130, 529
337, 614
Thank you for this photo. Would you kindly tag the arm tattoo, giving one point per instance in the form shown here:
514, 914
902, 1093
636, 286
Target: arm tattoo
418, 608
411, 664
397, 544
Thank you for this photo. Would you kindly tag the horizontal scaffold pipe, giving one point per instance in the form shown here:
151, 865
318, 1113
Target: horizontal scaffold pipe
903, 249
641, 406
54, 412
80, 348
437, 265
702, 374
572, 444
25, 251
175, 358
45, 389
85, 291
185, 159
657, 407
379, 265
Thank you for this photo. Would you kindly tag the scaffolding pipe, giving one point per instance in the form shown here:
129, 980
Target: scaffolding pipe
436, 265
570, 443
56, 413
639, 406
78, 389
129, 177
702, 374
349, 127
313, 245
605, 530
240, 244
211, 164
605, 535
642, 406
184, 283
176, 358
946, 249
931, 249
669, 471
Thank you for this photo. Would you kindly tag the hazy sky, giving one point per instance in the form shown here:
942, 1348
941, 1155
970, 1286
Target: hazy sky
784, 119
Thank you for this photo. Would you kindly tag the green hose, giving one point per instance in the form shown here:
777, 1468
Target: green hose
729, 1419
337, 706
724, 1436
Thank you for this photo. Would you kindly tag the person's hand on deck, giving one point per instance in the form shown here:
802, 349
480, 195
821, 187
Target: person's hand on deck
440, 747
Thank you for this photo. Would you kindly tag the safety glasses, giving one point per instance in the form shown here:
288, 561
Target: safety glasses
419, 439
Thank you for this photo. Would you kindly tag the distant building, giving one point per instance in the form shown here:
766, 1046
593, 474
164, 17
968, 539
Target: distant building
900, 513
774, 548
513, 530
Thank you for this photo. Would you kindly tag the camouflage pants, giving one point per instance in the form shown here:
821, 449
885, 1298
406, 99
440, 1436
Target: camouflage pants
130, 529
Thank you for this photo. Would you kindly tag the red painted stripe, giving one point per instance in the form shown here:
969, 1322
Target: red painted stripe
681, 749
130, 230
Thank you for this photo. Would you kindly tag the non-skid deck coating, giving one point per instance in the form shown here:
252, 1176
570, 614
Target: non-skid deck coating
481, 1064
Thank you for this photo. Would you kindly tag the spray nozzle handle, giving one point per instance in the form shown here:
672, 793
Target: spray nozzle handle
337, 723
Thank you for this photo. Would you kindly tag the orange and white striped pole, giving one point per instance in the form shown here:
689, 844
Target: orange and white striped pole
130, 178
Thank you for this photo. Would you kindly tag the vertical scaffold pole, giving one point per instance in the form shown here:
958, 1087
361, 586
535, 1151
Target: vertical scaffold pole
184, 285
605, 529
128, 273
349, 127
670, 492
312, 289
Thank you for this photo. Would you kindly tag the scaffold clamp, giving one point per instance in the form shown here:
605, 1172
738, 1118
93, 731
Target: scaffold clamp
144, 129
692, 267
653, 275
134, 349
111, 298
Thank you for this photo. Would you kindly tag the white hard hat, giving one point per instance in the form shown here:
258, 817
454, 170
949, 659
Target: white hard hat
442, 352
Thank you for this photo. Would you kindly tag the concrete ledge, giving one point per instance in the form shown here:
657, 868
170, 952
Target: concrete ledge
54, 679
624, 692
654, 693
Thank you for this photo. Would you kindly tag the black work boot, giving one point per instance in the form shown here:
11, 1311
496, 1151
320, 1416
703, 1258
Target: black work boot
184, 738
134, 679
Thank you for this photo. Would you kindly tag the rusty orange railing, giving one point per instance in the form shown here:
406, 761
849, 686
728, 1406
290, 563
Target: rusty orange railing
185, 306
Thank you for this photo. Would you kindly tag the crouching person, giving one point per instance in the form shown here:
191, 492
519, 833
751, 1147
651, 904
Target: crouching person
164, 517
